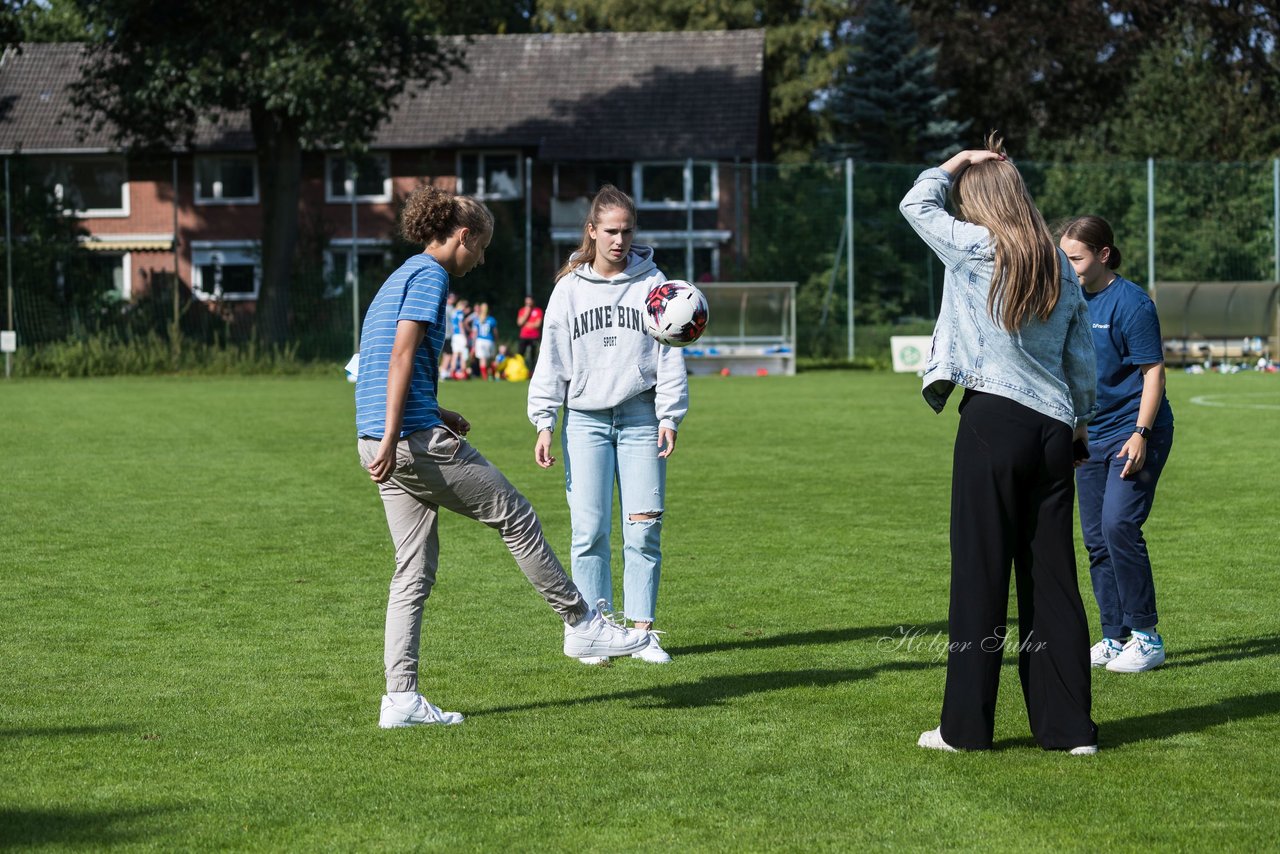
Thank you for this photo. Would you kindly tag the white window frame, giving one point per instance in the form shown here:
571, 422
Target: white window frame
96, 213
686, 166
361, 243
480, 191
216, 198
237, 252
348, 183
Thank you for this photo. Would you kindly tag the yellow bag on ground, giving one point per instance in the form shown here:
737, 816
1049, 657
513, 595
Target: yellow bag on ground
515, 369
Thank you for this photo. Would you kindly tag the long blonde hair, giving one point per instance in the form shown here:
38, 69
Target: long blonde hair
608, 198
1025, 281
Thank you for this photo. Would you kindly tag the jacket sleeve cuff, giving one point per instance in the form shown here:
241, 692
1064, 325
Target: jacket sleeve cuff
547, 423
936, 173
668, 424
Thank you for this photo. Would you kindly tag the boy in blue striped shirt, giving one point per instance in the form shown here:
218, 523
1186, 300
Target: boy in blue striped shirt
416, 452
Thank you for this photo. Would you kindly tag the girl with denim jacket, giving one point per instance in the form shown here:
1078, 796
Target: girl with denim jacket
1129, 444
1013, 331
623, 395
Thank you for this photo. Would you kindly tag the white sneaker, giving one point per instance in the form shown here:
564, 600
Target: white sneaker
1103, 651
416, 713
653, 653
1083, 750
933, 740
1141, 653
598, 635
594, 660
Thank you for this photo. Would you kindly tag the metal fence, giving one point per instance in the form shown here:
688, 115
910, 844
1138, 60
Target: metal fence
833, 228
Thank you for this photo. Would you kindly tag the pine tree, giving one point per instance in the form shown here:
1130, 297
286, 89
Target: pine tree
886, 105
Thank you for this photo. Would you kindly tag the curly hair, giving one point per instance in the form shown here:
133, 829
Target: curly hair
430, 215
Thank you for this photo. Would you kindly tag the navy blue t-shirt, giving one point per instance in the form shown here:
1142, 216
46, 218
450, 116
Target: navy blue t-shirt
1126, 334
417, 292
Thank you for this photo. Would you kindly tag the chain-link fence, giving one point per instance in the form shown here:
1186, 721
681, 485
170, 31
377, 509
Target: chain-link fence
728, 222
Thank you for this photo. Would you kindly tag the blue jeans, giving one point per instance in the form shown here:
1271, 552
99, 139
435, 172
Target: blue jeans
1112, 513
600, 446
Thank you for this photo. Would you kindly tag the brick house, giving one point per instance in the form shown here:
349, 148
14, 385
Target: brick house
534, 123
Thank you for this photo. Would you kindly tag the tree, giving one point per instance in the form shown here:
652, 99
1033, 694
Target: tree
886, 105
322, 74
799, 60
1035, 69
48, 21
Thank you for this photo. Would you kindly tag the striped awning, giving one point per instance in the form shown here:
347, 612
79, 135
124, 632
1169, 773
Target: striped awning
127, 245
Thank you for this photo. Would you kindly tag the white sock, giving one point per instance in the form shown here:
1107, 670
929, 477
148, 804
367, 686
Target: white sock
402, 698
1150, 635
582, 624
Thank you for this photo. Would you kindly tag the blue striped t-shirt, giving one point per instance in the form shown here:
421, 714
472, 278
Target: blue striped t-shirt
416, 291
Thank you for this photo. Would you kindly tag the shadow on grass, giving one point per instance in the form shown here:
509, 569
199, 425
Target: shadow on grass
899, 632
714, 690
21, 828
55, 731
1227, 651
1172, 722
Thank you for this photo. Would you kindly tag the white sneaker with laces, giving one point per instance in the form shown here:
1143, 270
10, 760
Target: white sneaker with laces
1103, 651
1140, 654
933, 740
652, 652
416, 713
599, 635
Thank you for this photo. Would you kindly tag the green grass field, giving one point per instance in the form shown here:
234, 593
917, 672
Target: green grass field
194, 578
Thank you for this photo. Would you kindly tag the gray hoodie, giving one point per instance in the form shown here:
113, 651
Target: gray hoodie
595, 353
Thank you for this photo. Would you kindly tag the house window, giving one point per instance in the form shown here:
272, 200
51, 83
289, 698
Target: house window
491, 175
228, 271
662, 185
673, 260
374, 263
368, 178
109, 272
226, 179
88, 186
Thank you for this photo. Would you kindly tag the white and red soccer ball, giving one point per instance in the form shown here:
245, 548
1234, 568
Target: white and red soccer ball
675, 313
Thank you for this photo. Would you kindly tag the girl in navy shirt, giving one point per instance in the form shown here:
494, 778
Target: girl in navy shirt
1129, 443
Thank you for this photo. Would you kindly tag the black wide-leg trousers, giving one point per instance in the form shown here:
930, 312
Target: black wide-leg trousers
1012, 496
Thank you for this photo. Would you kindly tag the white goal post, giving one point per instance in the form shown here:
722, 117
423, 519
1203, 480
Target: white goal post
751, 329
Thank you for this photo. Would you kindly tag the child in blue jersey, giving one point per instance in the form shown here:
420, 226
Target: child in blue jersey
415, 450
459, 339
486, 329
1129, 443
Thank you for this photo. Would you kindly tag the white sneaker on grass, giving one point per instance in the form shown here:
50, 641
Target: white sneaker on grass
933, 740
1083, 750
597, 635
652, 652
1141, 653
417, 712
594, 660
1103, 651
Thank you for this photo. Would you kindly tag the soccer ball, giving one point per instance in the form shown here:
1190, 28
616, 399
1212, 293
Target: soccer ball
675, 313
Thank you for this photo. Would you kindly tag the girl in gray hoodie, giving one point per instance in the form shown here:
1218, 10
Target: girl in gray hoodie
624, 395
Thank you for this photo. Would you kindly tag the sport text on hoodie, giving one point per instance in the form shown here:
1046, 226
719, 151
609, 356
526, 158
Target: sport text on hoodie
595, 353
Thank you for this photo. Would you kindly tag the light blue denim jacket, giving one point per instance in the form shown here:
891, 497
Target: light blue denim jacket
1046, 365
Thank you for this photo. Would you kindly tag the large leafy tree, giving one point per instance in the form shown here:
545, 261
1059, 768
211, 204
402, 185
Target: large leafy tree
43, 21
321, 74
886, 105
799, 55
1035, 69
